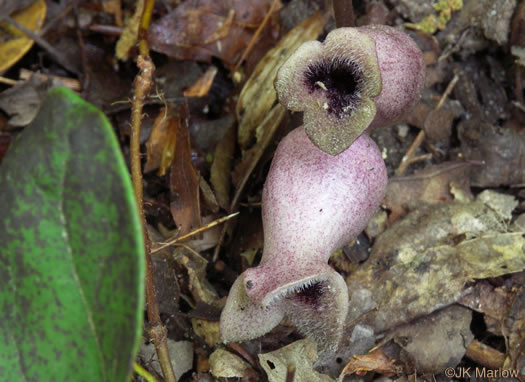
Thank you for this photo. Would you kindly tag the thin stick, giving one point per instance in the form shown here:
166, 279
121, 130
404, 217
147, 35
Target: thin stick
195, 232
8, 81
410, 153
360, 318
143, 84
83, 55
256, 35
447, 92
143, 373
343, 13
51, 23
243, 352
71, 83
408, 157
485, 355
55, 54
144, 25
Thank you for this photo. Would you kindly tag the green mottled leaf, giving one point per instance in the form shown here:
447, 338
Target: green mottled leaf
71, 250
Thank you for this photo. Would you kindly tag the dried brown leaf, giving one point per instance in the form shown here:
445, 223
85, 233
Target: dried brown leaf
202, 87
251, 157
258, 94
423, 262
208, 196
200, 288
220, 177
515, 329
201, 29
22, 101
227, 365
376, 361
207, 330
429, 185
160, 147
301, 354
184, 179
444, 335
501, 150
492, 302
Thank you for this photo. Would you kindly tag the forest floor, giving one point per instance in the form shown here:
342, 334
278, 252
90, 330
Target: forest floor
456, 167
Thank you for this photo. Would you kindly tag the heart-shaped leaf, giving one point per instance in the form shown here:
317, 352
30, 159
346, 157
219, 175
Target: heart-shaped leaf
71, 250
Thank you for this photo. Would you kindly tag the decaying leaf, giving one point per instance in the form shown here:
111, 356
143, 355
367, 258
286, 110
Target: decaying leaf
202, 29
165, 279
496, 21
301, 354
377, 224
181, 356
258, 94
200, 288
208, 330
429, 185
515, 330
208, 197
22, 101
10, 6
128, 38
502, 204
220, 176
500, 150
184, 179
444, 335
160, 147
227, 365
251, 157
376, 362
423, 262
491, 301
14, 44
202, 87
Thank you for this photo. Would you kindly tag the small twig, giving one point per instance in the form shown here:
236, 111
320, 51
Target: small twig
119, 20
485, 355
144, 25
343, 13
447, 92
51, 23
8, 81
434, 173
419, 158
256, 35
110, 30
408, 157
410, 153
143, 84
243, 352
194, 232
55, 54
83, 54
360, 318
70, 83
518, 105
143, 373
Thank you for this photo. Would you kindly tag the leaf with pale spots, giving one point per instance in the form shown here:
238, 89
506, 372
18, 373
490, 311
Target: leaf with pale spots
71, 263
